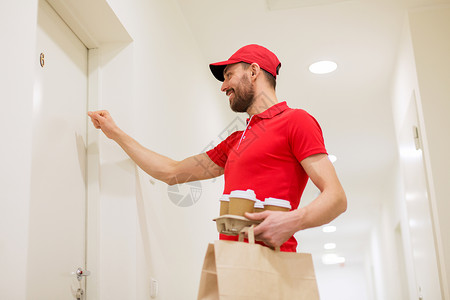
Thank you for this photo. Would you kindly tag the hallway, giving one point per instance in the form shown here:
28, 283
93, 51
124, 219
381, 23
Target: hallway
392, 76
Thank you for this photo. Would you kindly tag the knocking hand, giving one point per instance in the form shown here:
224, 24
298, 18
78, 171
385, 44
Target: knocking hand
103, 120
276, 228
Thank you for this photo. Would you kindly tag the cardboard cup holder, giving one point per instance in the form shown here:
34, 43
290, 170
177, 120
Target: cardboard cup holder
232, 225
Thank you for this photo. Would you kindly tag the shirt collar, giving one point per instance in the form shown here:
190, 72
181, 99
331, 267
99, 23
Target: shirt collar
272, 111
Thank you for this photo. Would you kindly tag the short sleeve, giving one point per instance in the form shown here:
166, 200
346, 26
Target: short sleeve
219, 154
305, 135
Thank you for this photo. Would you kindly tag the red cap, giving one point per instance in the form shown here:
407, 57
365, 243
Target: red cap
266, 60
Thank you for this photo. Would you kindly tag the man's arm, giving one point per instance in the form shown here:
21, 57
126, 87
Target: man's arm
193, 168
278, 227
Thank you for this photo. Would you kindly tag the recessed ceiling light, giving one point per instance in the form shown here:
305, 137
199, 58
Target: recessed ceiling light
329, 246
329, 228
323, 67
332, 258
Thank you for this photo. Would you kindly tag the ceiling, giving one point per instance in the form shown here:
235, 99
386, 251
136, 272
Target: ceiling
352, 104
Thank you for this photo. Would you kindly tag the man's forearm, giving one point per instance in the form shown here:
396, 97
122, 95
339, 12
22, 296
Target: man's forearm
331, 201
324, 209
154, 164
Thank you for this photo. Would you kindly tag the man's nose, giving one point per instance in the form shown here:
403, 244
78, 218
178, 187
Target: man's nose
224, 87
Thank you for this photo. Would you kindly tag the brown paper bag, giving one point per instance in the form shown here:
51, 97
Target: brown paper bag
238, 271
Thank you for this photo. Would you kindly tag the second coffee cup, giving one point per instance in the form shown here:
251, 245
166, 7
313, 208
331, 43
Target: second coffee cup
241, 202
277, 204
259, 206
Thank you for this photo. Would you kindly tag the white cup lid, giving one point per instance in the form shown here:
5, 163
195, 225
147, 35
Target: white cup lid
259, 204
248, 194
277, 202
225, 197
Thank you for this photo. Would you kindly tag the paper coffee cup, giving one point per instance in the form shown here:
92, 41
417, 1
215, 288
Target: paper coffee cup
224, 204
259, 206
277, 204
241, 202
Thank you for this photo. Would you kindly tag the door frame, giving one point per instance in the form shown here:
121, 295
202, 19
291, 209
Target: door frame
96, 25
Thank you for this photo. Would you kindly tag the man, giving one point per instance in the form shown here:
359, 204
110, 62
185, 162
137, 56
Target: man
275, 155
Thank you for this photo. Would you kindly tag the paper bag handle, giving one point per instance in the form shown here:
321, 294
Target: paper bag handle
251, 236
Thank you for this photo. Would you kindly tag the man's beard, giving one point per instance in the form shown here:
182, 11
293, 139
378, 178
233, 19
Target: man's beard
244, 96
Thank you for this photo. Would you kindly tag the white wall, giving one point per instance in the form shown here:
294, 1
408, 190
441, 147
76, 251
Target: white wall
391, 255
423, 69
384, 260
18, 31
404, 85
174, 108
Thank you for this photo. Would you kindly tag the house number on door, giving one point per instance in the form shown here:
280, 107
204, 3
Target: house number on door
42, 61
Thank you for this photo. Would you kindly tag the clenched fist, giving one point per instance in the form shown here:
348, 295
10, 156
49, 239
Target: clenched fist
103, 120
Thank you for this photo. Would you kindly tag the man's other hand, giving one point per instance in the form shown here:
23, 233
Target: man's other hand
276, 226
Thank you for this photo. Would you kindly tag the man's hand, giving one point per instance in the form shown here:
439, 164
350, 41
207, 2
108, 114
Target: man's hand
103, 120
276, 228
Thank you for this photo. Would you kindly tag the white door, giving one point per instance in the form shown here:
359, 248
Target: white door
57, 231
424, 260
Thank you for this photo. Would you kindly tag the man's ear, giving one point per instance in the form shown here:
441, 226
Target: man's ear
255, 70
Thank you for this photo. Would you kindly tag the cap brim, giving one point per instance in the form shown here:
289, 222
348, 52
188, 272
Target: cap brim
218, 68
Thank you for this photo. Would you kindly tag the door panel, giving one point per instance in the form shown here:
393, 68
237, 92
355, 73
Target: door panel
58, 183
418, 210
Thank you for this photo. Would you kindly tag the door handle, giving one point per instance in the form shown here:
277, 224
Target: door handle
80, 273
79, 295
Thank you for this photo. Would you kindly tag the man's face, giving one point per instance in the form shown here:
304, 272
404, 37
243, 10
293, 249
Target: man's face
238, 87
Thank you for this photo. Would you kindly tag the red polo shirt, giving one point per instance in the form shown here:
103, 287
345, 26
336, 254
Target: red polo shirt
266, 156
